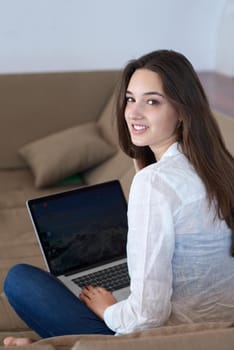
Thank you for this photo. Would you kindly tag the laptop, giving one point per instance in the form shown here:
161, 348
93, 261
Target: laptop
82, 234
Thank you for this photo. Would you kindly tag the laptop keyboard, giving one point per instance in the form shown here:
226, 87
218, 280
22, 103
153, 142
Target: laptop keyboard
112, 278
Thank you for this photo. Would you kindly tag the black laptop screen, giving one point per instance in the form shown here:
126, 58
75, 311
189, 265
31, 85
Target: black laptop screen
81, 228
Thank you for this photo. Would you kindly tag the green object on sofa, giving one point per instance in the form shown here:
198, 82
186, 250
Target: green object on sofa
76, 179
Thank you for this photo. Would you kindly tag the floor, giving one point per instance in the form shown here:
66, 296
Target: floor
220, 91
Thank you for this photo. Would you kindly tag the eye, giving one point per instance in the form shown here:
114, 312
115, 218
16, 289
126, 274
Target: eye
152, 102
129, 99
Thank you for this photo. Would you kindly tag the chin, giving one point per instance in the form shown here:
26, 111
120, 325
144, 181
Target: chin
138, 143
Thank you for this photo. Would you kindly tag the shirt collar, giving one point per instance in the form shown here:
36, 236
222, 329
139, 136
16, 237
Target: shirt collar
173, 150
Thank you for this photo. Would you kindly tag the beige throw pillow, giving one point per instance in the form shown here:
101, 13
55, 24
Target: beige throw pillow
65, 153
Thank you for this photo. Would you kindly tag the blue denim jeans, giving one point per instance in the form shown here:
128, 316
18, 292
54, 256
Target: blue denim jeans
47, 306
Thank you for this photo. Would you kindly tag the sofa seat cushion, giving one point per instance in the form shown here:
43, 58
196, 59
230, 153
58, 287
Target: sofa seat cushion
18, 241
17, 186
10, 322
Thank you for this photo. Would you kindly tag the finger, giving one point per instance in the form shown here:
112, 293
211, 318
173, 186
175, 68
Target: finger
85, 291
84, 298
103, 290
88, 292
99, 289
89, 288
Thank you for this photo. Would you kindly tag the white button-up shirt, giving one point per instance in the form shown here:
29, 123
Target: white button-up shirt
178, 252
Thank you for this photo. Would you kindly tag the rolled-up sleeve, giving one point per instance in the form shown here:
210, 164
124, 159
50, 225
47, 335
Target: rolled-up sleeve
150, 250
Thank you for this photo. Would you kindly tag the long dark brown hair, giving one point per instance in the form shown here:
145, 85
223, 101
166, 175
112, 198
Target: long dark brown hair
199, 135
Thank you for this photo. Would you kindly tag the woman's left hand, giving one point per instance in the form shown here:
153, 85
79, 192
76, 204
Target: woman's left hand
97, 299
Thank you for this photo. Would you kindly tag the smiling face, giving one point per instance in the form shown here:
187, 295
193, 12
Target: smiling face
152, 120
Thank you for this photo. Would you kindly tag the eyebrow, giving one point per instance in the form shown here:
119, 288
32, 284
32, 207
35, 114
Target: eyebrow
148, 93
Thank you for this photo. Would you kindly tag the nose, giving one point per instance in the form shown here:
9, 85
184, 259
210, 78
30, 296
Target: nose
134, 111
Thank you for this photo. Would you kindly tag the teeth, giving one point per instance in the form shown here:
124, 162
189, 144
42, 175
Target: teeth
139, 127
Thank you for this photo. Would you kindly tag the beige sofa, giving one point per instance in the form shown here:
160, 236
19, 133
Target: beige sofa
52, 126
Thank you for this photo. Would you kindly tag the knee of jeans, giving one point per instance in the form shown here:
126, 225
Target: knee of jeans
15, 274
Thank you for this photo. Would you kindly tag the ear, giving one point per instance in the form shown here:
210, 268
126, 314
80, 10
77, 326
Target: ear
178, 123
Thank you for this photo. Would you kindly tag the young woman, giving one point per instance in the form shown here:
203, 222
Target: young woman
181, 216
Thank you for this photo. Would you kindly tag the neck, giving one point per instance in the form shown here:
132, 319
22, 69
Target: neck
161, 148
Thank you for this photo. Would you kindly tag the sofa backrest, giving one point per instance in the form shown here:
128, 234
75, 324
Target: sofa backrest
35, 105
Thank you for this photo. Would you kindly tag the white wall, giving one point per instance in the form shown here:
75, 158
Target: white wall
225, 40
66, 35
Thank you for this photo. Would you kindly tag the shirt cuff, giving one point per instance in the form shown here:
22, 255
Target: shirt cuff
111, 318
